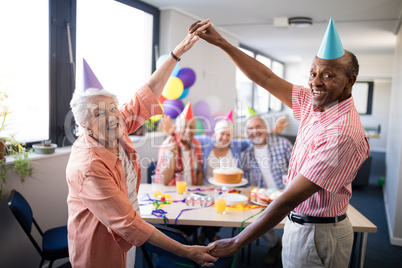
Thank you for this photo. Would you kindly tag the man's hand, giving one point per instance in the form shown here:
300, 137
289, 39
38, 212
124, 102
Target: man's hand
205, 30
166, 125
224, 248
281, 124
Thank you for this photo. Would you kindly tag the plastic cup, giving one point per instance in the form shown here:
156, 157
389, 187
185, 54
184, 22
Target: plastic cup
220, 200
181, 184
157, 182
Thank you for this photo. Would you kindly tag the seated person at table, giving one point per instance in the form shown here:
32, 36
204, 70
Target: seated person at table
181, 153
220, 146
264, 163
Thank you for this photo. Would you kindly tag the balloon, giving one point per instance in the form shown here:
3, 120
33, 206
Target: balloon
187, 75
199, 127
209, 125
173, 88
161, 99
185, 93
173, 108
162, 59
158, 116
201, 108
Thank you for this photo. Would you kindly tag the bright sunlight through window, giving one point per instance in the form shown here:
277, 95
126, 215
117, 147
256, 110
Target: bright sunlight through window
24, 68
116, 41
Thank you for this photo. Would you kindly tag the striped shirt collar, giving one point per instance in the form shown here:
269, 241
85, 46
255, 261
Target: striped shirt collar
334, 113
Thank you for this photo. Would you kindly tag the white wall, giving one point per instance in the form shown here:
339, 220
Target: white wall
393, 185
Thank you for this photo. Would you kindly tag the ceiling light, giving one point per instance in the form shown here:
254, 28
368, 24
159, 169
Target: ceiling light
300, 21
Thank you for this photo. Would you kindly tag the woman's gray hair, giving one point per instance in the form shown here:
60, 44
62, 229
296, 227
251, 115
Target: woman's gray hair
80, 103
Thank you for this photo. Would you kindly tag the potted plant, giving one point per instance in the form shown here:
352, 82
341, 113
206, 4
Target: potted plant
21, 163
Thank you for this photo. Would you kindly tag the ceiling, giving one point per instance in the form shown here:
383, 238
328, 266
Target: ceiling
364, 26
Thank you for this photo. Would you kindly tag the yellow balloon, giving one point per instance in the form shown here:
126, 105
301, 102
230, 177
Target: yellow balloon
158, 116
173, 88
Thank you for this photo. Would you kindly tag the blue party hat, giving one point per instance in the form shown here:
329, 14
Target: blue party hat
331, 45
90, 80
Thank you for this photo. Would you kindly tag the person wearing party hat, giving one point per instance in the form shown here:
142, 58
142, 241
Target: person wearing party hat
330, 147
103, 174
180, 153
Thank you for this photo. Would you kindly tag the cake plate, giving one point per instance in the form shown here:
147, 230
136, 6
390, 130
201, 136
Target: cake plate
227, 185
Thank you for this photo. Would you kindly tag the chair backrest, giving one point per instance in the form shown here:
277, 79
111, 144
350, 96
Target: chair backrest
175, 234
21, 210
23, 213
151, 171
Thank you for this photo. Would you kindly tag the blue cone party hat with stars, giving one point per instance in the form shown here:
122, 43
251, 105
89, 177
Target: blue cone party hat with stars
90, 80
331, 45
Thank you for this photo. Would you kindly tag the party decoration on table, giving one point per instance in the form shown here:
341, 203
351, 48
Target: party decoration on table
187, 76
250, 112
90, 79
331, 45
173, 88
173, 108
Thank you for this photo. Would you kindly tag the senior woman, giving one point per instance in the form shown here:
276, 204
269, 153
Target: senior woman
103, 224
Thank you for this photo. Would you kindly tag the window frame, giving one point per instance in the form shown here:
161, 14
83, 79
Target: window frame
255, 86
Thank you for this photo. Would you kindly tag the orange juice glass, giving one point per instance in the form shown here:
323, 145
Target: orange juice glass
220, 200
181, 187
220, 205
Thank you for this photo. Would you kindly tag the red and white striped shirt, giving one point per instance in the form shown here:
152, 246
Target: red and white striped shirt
329, 150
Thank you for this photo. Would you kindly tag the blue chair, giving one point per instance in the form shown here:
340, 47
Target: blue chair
54, 241
169, 260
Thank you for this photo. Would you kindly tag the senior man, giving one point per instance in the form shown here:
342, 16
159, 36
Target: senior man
331, 146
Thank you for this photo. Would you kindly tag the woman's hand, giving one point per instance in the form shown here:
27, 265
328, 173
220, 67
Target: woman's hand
166, 125
205, 30
188, 42
200, 255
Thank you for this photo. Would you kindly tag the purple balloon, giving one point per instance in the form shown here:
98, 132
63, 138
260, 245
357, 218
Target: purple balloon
173, 108
201, 108
209, 125
187, 76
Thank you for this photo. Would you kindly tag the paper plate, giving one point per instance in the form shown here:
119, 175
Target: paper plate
242, 183
234, 199
256, 203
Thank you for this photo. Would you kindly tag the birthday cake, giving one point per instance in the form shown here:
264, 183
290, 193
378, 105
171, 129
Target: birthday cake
228, 175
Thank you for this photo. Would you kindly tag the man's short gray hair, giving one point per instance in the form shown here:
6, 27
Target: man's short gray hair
80, 103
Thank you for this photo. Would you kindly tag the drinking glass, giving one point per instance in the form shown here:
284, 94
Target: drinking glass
181, 184
220, 200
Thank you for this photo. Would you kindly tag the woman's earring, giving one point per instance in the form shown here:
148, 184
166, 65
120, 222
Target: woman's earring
89, 133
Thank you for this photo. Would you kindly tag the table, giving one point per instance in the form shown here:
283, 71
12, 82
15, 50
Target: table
234, 218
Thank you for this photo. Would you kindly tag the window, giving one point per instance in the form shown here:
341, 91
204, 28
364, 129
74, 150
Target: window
116, 41
363, 97
249, 93
38, 58
24, 68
